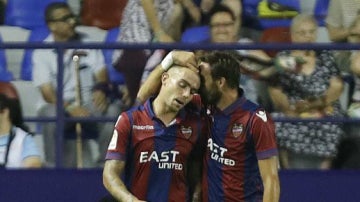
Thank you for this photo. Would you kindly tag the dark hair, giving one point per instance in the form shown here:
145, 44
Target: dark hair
219, 8
15, 110
50, 9
4, 102
223, 64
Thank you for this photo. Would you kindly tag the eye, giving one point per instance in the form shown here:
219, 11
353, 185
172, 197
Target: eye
182, 84
193, 91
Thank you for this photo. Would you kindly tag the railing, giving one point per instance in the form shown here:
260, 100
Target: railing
60, 119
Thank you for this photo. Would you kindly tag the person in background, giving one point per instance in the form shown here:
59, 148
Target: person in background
310, 91
153, 143
18, 149
95, 91
223, 29
145, 21
240, 162
341, 14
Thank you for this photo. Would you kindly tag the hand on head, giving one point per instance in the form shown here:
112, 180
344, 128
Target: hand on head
181, 58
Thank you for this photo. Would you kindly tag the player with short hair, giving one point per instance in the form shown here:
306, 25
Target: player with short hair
152, 143
241, 159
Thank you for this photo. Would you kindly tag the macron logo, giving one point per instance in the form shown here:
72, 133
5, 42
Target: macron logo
262, 115
146, 127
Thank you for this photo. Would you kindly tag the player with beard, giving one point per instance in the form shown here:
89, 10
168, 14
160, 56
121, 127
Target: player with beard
241, 161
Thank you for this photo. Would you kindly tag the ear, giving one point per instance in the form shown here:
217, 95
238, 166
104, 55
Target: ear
221, 82
164, 77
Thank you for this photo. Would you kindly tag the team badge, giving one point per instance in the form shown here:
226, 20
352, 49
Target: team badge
186, 131
237, 129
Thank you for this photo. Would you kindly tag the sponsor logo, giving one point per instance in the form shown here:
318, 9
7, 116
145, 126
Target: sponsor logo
146, 127
237, 129
113, 142
186, 131
217, 153
165, 159
262, 115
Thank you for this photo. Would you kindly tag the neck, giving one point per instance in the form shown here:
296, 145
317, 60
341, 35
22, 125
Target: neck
228, 97
163, 112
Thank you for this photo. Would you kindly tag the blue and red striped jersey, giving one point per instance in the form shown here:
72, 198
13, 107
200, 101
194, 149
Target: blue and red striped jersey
156, 155
240, 135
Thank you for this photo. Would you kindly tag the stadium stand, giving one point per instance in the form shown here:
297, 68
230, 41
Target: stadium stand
26, 14
103, 14
111, 37
5, 75
196, 34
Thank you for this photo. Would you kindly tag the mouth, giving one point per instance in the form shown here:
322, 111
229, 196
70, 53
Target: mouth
179, 102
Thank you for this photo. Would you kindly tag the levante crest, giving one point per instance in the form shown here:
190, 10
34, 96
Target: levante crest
237, 129
186, 131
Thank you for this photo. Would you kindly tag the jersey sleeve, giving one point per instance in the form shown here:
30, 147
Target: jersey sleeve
120, 139
263, 131
30, 148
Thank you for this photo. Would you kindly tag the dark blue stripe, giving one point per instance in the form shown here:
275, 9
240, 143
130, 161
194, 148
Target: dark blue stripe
219, 129
160, 179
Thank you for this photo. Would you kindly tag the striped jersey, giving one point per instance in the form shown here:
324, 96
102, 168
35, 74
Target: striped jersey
156, 155
240, 135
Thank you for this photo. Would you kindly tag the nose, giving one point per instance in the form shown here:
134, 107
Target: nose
186, 92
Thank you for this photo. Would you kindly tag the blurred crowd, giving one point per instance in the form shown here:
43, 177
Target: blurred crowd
300, 84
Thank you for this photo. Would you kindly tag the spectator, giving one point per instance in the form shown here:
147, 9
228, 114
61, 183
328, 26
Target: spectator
155, 141
144, 21
341, 14
223, 29
94, 88
17, 146
312, 91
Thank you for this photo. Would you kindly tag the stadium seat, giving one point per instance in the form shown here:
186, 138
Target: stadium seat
196, 34
5, 75
36, 35
105, 14
28, 14
321, 10
277, 13
275, 35
115, 76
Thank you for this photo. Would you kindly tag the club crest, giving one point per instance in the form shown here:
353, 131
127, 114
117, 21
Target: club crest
186, 131
237, 129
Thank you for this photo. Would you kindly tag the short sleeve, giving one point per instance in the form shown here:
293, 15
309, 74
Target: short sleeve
118, 145
263, 132
30, 148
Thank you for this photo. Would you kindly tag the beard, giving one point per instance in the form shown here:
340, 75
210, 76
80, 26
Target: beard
211, 96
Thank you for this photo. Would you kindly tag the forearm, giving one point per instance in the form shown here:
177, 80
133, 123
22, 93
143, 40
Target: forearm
269, 175
337, 34
151, 86
150, 12
113, 183
271, 190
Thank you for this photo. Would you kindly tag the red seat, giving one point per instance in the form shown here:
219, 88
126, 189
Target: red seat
275, 35
105, 14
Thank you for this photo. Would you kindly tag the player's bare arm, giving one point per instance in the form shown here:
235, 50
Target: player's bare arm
269, 174
113, 183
